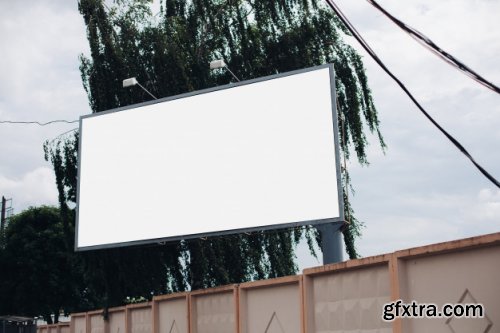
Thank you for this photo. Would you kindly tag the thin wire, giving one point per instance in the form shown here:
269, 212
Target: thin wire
365, 45
37, 122
54, 139
434, 48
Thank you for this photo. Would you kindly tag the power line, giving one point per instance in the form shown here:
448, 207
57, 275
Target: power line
372, 53
434, 48
37, 122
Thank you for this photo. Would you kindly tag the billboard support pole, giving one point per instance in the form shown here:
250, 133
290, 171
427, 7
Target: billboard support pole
331, 242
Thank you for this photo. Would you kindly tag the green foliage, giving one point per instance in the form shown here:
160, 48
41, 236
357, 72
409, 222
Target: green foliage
169, 53
40, 275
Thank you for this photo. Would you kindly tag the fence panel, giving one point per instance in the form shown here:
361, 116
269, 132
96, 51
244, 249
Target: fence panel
342, 297
452, 277
345, 298
95, 322
271, 306
116, 320
171, 313
64, 328
214, 310
78, 323
139, 318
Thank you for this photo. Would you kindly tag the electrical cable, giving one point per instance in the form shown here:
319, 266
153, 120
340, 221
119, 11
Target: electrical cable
434, 48
365, 45
37, 122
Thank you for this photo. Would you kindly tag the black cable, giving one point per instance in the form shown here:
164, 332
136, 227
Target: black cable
365, 45
37, 122
430, 45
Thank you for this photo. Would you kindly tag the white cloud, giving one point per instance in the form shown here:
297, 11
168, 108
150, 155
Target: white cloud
40, 47
422, 191
466, 29
488, 205
40, 79
34, 188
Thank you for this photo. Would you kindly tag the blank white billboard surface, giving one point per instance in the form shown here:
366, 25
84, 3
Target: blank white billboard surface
251, 155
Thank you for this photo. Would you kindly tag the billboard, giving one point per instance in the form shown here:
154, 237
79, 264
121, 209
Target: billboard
254, 155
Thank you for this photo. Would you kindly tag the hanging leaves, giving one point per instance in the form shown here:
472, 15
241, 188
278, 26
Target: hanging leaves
169, 53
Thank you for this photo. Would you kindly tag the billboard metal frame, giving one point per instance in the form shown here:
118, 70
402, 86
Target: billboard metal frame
161, 240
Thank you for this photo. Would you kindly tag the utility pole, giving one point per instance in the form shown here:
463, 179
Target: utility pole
2, 221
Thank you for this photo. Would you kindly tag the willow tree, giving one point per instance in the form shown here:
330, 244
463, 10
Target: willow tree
169, 51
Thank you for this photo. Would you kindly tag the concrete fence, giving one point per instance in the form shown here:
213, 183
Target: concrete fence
343, 297
55, 328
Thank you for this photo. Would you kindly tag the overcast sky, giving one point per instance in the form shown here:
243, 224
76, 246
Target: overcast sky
422, 191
